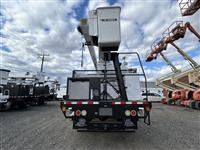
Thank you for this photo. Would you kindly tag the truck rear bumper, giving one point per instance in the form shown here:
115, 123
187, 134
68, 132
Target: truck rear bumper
106, 126
111, 110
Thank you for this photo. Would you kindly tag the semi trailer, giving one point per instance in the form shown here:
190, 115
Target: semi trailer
107, 98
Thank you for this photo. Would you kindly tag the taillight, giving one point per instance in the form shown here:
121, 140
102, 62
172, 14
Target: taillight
83, 112
133, 113
127, 112
77, 112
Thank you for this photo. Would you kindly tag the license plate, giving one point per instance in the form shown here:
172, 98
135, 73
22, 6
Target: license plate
105, 111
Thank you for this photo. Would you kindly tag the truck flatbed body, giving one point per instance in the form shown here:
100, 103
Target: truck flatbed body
105, 115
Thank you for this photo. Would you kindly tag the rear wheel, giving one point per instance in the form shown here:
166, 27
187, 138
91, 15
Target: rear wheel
170, 101
197, 104
192, 104
22, 106
41, 102
6, 106
178, 102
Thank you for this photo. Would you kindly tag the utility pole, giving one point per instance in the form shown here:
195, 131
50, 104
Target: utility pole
42, 57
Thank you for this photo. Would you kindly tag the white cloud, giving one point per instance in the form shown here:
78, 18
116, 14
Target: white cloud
93, 4
33, 17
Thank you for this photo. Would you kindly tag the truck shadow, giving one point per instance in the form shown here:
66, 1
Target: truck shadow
31, 107
105, 140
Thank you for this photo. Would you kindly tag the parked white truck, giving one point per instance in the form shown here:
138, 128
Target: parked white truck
107, 98
4, 93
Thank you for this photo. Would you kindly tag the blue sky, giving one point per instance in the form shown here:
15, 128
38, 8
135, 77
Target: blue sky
29, 28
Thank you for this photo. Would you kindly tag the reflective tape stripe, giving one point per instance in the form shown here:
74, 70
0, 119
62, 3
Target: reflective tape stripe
140, 103
117, 103
84, 102
129, 103
95, 102
81, 103
90, 102
78, 102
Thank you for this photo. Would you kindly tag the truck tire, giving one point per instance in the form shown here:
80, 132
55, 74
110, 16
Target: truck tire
197, 104
41, 102
170, 101
182, 103
22, 106
179, 102
2, 107
192, 104
176, 102
8, 105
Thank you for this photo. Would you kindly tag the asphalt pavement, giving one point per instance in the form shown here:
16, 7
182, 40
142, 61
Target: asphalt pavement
45, 128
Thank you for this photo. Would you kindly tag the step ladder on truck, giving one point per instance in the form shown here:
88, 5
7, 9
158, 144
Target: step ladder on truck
109, 97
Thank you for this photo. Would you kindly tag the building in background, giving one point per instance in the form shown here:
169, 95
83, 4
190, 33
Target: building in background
151, 88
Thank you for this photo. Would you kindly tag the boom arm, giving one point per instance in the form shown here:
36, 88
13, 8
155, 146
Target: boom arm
174, 69
186, 56
83, 28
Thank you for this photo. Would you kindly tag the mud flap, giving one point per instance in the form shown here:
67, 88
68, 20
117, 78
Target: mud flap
147, 118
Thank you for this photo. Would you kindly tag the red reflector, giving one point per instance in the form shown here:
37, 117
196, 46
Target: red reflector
133, 113
78, 113
113, 103
69, 103
123, 103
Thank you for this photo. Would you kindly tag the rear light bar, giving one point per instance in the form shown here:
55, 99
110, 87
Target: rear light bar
132, 113
113, 103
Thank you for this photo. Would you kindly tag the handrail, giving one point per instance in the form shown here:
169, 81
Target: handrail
145, 78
